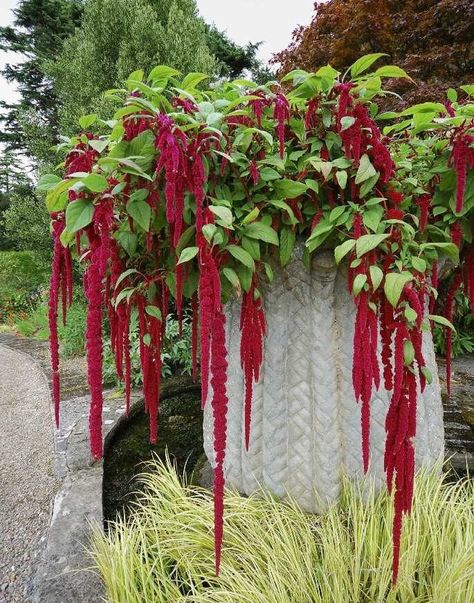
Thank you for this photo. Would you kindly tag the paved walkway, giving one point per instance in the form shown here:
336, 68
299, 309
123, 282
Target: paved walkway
27, 480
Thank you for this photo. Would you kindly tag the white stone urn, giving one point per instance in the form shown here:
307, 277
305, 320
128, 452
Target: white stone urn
306, 427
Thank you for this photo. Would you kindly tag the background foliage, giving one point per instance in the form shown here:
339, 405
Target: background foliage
433, 40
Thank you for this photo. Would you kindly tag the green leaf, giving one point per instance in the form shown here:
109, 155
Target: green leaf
241, 255
124, 294
424, 108
391, 71
139, 209
342, 250
365, 63
376, 276
86, 121
394, 285
188, 254
427, 374
245, 277
408, 353
347, 122
147, 339
418, 264
56, 198
258, 230
99, 145
410, 314
287, 244
359, 283
136, 75
337, 213
366, 170
268, 272
267, 174
209, 230
251, 216
372, 218
47, 182
95, 183
325, 167
441, 320
185, 238
154, 311
128, 240
231, 276
252, 246
224, 214
341, 178
366, 243
192, 80
468, 89
450, 249
124, 275
289, 189
79, 214
452, 95
162, 72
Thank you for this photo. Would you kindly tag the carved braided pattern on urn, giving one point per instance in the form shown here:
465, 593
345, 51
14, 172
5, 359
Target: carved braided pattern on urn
305, 430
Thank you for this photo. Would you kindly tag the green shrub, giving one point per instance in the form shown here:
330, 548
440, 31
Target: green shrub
274, 553
23, 276
463, 337
72, 335
175, 353
26, 225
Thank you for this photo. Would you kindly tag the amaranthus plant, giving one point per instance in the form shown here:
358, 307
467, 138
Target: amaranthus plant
186, 192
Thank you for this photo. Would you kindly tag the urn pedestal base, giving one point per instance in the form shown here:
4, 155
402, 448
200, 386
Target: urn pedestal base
306, 426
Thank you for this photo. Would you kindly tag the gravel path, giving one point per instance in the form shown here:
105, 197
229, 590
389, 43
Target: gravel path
27, 480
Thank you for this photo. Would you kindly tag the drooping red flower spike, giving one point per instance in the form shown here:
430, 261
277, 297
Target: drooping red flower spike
253, 328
